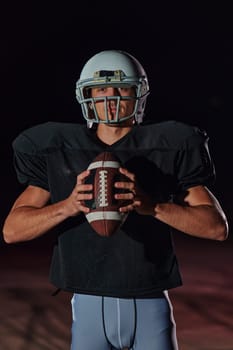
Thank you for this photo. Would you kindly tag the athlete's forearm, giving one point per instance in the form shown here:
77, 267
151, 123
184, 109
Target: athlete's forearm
26, 223
204, 221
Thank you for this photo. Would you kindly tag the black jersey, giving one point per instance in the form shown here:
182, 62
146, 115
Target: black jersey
139, 259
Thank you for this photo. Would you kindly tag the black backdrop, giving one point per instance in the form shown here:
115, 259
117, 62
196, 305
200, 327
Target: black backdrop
186, 49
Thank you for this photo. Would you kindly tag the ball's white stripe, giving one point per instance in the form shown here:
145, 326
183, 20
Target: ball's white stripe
105, 215
104, 164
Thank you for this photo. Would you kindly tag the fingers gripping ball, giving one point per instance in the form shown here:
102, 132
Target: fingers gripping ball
104, 215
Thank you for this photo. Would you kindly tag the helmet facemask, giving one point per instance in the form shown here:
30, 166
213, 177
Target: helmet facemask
90, 109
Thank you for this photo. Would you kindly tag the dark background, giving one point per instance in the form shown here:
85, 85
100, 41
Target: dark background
186, 50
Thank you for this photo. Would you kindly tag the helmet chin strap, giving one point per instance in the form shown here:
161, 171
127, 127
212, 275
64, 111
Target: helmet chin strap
90, 124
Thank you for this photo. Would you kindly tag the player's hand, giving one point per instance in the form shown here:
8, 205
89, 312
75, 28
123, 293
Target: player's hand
75, 203
138, 199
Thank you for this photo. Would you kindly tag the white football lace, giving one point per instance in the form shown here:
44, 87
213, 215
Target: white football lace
102, 199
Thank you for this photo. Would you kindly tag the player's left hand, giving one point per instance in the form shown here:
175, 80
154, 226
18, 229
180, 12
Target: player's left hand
138, 199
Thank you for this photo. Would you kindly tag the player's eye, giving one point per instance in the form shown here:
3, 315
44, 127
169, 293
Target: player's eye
101, 89
98, 91
127, 91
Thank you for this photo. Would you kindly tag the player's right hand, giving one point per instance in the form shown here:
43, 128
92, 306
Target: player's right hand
75, 203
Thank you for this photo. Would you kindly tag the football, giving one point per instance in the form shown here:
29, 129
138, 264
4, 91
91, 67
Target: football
104, 215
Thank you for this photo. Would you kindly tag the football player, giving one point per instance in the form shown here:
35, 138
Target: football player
119, 285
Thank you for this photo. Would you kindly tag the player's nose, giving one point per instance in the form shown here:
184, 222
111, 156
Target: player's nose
114, 91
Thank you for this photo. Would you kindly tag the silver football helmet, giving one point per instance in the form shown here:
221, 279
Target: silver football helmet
112, 68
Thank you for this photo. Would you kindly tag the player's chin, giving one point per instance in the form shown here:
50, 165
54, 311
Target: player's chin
115, 124
124, 123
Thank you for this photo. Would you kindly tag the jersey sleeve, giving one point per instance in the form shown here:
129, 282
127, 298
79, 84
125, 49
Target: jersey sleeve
30, 163
195, 166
